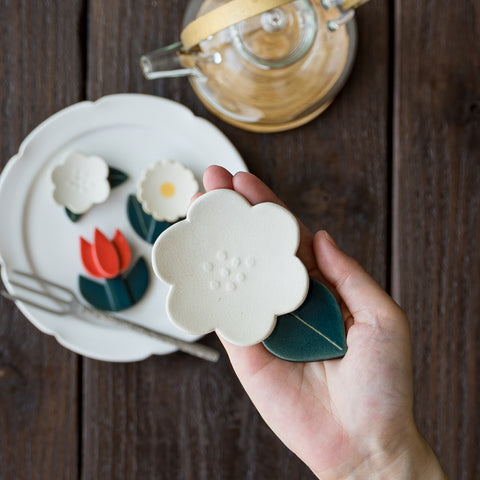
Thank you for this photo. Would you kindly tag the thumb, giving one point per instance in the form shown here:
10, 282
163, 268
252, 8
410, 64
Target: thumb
364, 297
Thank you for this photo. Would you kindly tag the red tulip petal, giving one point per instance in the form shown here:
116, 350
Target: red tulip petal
105, 256
86, 253
123, 250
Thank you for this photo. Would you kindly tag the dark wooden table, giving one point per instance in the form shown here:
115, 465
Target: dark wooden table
392, 170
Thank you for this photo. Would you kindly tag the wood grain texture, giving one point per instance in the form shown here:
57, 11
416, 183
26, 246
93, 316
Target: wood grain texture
436, 259
175, 417
40, 73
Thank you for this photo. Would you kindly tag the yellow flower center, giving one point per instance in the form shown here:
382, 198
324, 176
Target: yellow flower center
167, 190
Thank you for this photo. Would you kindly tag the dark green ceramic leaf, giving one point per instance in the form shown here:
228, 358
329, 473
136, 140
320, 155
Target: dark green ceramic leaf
74, 217
116, 177
94, 293
117, 293
111, 296
137, 280
145, 225
313, 332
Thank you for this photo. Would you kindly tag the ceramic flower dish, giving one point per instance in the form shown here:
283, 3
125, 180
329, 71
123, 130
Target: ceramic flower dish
165, 190
232, 268
235, 282
109, 260
163, 195
80, 182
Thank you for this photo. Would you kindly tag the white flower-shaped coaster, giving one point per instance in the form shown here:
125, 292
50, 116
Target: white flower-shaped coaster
232, 267
80, 182
165, 190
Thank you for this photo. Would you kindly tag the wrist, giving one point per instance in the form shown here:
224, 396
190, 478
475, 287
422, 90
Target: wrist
411, 460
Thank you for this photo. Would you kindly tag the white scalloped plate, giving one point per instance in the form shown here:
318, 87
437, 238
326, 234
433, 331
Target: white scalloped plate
131, 131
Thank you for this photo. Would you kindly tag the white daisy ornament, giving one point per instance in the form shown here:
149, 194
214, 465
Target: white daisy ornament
165, 190
231, 267
80, 182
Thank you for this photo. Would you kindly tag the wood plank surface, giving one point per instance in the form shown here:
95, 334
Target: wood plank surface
391, 169
40, 73
176, 417
436, 258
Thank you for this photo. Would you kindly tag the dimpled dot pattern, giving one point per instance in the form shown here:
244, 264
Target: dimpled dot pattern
227, 272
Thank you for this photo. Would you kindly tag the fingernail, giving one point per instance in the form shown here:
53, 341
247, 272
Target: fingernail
329, 238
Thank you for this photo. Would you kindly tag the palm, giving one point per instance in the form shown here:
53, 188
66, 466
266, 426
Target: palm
319, 409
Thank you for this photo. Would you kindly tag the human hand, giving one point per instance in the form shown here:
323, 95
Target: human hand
346, 418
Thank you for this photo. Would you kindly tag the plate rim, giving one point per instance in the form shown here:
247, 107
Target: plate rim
19, 155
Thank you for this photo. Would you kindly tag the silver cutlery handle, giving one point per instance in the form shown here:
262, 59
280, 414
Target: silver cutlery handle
196, 349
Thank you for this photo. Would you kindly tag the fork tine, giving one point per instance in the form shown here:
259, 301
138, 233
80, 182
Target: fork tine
39, 292
45, 281
15, 298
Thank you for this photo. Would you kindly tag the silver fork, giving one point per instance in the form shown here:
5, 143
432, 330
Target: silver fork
69, 304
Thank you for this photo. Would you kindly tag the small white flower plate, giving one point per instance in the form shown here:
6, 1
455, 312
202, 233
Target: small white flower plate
236, 283
165, 190
80, 182
131, 132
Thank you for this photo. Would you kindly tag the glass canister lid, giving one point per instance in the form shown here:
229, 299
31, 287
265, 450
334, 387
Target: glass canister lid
278, 69
277, 38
